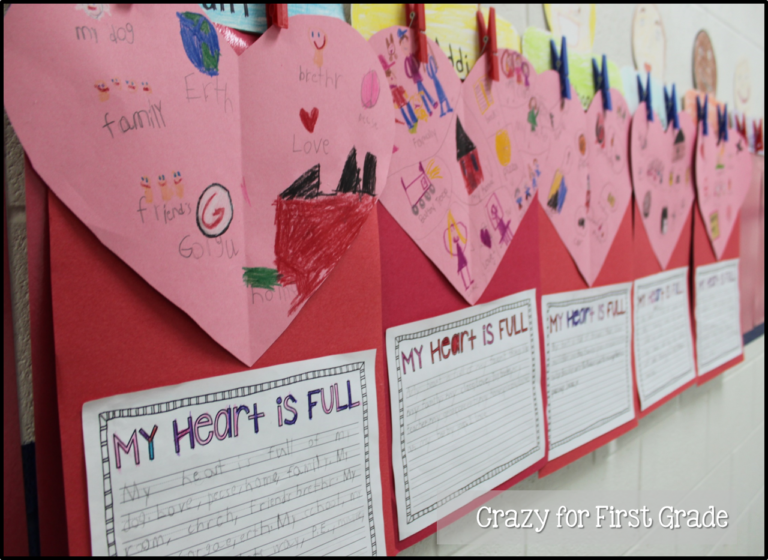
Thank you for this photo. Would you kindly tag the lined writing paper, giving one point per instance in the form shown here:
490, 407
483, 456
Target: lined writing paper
589, 374
663, 340
718, 320
281, 460
467, 414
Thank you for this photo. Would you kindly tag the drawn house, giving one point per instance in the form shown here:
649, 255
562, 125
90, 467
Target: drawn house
679, 147
466, 155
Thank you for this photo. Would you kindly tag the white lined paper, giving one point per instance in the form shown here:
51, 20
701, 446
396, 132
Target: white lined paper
296, 486
663, 340
589, 374
468, 416
718, 319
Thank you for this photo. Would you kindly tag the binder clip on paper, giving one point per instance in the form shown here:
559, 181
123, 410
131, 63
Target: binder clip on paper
645, 95
488, 43
722, 124
560, 63
278, 15
414, 15
600, 76
670, 102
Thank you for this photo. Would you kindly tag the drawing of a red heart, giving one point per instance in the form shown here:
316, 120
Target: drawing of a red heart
309, 119
209, 210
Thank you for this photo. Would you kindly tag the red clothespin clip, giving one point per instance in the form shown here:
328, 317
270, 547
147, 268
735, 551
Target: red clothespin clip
488, 43
757, 127
414, 15
741, 125
277, 14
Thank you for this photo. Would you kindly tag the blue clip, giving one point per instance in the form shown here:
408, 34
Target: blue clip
560, 63
670, 102
645, 96
722, 124
601, 83
701, 114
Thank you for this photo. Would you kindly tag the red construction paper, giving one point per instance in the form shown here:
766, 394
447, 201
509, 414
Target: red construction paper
50, 483
413, 288
115, 334
560, 274
15, 541
647, 264
752, 263
704, 254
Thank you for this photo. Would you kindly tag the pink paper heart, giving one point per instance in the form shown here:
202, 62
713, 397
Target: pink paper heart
662, 176
586, 187
462, 176
235, 180
723, 176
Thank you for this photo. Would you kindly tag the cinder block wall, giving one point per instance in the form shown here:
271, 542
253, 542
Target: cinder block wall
709, 436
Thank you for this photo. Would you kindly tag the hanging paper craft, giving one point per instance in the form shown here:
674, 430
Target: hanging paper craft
585, 183
575, 22
452, 26
704, 64
662, 175
192, 164
466, 166
649, 42
723, 175
742, 86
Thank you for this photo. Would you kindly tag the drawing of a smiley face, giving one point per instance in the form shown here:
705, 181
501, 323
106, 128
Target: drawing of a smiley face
131, 85
146, 87
318, 38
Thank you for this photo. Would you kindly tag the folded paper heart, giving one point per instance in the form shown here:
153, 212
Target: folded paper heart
188, 162
585, 181
466, 163
662, 176
723, 177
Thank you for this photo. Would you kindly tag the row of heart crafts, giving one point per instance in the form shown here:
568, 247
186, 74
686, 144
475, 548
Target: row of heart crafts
286, 147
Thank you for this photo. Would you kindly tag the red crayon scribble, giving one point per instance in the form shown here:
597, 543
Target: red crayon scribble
218, 213
312, 235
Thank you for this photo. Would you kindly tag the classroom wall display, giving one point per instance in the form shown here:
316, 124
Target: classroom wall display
575, 22
649, 41
723, 177
589, 393
629, 78
704, 64
253, 17
170, 166
586, 186
453, 27
466, 404
742, 86
279, 460
662, 177
467, 163
537, 50
718, 325
663, 342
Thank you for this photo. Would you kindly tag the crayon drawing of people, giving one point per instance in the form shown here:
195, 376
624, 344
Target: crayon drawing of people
412, 70
533, 113
496, 216
399, 98
455, 240
441, 97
